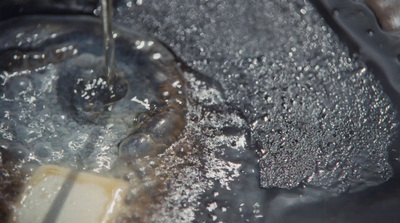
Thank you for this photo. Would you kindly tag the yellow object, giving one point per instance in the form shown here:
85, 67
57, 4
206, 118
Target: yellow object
61, 195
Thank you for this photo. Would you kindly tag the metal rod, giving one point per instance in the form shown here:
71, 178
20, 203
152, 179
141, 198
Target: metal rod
109, 46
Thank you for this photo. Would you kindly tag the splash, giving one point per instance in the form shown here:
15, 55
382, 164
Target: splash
59, 108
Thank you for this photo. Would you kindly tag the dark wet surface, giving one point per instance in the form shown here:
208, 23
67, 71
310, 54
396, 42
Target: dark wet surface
315, 114
368, 30
287, 73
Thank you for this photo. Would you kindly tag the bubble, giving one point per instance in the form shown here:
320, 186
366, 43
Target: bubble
42, 151
370, 32
139, 145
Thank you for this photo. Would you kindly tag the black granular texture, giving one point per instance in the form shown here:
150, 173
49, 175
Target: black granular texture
318, 115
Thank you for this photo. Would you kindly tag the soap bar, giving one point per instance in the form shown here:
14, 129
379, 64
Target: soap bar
61, 195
